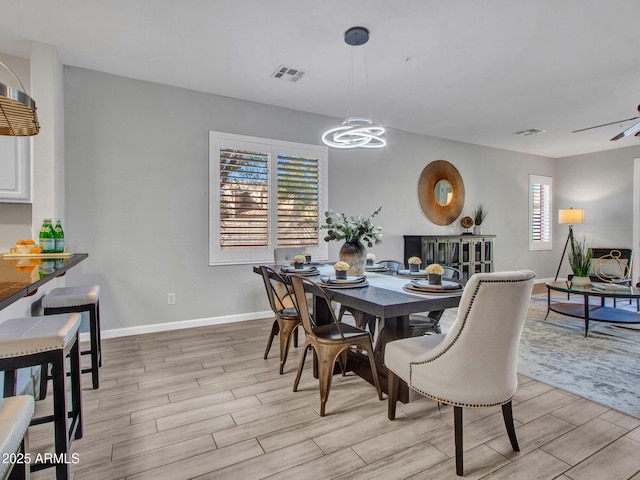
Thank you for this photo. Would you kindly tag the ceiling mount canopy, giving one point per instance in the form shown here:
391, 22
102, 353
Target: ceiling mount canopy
356, 132
17, 110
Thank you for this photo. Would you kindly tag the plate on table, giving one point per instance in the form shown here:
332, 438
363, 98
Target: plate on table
306, 271
411, 288
376, 267
350, 282
424, 285
408, 274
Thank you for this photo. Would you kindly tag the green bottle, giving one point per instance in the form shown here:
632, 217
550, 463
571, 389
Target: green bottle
47, 242
58, 235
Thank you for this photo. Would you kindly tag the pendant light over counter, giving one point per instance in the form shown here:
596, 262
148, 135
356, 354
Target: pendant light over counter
17, 110
356, 132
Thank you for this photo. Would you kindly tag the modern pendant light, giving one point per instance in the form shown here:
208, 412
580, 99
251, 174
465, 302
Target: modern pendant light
356, 132
17, 110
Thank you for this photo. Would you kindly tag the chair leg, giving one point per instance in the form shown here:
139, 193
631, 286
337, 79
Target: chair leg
392, 394
286, 329
295, 337
307, 346
61, 426
326, 361
76, 390
99, 334
507, 414
274, 331
457, 427
44, 379
95, 347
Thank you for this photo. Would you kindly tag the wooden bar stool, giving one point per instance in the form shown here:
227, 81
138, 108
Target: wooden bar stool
15, 416
31, 341
84, 298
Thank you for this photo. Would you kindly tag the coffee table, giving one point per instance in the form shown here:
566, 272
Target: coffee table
589, 312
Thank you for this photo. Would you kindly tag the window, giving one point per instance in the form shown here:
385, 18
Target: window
540, 192
264, 194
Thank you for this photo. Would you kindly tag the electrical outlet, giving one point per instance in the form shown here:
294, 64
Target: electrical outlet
171, 298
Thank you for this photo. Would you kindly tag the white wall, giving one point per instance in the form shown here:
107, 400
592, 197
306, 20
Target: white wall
602, 184
137, 193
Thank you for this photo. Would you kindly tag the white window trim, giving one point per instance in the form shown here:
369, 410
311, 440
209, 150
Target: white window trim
544, 180
218, 256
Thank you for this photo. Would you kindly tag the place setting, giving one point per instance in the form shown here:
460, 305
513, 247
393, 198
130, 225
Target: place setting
446, 287
351, 281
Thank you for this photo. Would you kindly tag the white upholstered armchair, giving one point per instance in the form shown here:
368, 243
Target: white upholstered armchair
474, 363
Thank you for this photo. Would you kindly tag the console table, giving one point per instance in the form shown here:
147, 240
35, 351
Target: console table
468, 253
588, 312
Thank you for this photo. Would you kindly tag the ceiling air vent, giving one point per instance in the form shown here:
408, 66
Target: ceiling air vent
531, 131
287, 73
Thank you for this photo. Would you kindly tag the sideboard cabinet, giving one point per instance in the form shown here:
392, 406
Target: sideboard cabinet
468, 253
15, 180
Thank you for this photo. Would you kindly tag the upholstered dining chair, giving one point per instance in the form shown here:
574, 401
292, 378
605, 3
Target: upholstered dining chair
474, 363
286, 319
328, 341
429, 322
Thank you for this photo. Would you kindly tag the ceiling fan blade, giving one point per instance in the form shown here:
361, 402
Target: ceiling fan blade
605, 124
633, 129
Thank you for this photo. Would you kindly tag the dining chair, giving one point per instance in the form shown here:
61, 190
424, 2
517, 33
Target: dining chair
429, 322
328, 341
474, 363
286, 320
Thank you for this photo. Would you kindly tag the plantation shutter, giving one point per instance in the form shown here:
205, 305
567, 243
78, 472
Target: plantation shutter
244, 199
298, 201
540, 212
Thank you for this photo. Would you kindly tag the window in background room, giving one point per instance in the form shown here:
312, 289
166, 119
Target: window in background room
540, 191
264, 194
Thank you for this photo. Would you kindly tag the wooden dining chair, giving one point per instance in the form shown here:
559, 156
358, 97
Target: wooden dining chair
286, 320
475, 363
328, 341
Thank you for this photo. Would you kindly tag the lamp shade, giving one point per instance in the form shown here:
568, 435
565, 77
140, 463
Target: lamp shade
571, 216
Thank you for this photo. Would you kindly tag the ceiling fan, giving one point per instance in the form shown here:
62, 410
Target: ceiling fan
632, 130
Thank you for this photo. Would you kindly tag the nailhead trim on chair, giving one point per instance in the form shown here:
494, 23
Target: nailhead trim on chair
464, 322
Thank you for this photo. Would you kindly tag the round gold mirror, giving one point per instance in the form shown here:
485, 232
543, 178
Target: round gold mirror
441, 192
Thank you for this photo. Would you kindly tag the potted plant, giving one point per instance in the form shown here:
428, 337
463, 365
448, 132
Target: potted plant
434, 272
580, 263
414, 264
479, 214
354, 231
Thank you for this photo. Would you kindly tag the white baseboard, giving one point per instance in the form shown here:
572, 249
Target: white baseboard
163, 327
545, 280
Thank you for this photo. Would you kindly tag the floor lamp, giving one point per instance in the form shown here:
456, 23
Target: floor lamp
571, 217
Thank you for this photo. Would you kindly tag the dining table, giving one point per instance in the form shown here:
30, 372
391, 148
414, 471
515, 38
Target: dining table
384, 298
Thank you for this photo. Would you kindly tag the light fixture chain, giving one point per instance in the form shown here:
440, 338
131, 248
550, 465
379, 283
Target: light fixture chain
350, 86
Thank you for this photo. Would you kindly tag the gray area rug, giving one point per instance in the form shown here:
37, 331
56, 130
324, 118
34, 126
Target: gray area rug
603, 367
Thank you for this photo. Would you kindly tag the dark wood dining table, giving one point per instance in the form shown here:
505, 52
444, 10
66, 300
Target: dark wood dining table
385, 300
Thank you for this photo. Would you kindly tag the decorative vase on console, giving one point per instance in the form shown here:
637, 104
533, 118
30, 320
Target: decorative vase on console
355, 231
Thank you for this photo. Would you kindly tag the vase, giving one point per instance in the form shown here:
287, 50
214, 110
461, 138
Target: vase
580, 282
355, 254
477, 230
435, 279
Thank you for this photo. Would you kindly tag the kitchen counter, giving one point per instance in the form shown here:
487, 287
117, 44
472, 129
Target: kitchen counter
22, 276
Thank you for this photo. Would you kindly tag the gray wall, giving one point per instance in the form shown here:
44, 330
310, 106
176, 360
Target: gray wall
137, 194
602, 184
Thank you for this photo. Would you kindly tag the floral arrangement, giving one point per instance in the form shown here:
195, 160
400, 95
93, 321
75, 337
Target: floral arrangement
434, 268
299, 259
371, 256
479, 214
306, 253
351, 229
341, 266
414, 261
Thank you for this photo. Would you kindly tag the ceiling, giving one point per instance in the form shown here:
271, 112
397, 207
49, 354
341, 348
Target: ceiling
467, 70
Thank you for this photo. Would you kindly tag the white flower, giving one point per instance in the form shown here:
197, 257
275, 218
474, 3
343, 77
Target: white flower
299, 259
434, 268
371, 256
415, 261
341, 266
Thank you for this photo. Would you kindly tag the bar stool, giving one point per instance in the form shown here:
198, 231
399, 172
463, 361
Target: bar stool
84, 298
31, 341
15, 416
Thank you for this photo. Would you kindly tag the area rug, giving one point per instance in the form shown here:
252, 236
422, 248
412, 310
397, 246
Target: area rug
603, 367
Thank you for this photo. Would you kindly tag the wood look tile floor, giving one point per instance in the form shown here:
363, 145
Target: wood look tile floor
203, 403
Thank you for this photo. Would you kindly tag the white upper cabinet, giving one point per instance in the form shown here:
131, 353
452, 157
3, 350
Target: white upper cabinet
15, 169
